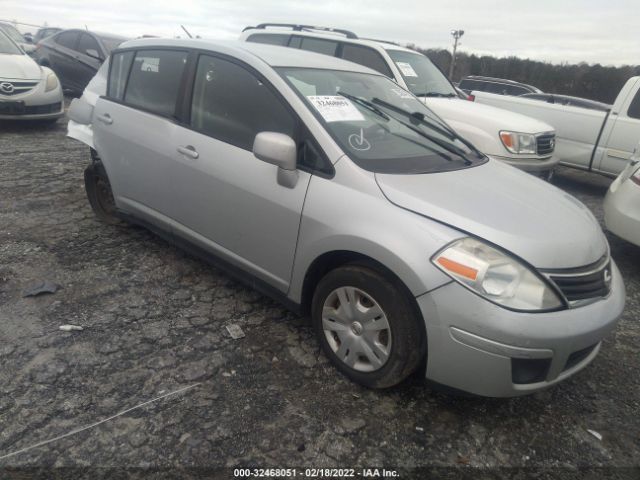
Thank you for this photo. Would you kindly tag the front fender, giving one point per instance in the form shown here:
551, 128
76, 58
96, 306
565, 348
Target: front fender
350, 213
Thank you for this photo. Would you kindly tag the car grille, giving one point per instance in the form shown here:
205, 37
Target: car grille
9, 88
585, 283
545, 144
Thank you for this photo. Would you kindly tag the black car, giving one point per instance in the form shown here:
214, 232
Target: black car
501, 86
76, 55
45, 32
568, 100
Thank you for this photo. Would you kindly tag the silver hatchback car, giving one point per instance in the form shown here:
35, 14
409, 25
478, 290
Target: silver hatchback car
326, 185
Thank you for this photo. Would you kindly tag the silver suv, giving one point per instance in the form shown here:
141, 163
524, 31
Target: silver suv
326, 185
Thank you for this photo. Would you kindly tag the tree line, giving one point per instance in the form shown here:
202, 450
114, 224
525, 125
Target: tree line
596, 82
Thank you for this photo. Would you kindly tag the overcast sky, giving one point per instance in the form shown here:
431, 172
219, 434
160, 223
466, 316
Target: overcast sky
593, 31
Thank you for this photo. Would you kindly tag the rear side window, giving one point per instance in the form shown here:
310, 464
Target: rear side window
154, 80
634, 108
233, 105
118, 74
327, 47
88, 43
498, 88
67, 39
366, 56
516, 91
471, 85
270, 38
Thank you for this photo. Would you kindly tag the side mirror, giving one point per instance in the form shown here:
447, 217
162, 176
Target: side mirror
280, 150
93, 53
81, 112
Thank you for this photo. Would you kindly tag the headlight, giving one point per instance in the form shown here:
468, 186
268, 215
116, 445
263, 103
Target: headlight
52, 82
518, 142
496, 276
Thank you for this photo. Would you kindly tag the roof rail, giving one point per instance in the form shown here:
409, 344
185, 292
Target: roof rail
301, 28
382, 41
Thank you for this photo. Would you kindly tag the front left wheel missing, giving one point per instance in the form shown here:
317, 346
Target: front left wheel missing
99, 193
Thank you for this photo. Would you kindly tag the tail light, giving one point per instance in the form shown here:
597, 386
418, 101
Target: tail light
471, 97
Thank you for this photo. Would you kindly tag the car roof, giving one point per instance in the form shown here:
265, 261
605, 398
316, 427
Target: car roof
275, 56
371, 42
92, 32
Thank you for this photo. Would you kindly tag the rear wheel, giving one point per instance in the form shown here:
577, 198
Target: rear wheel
99, 193
367, 326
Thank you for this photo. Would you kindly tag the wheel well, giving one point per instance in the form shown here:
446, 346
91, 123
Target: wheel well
332, 260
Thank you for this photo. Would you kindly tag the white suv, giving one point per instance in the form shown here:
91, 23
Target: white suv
515, 139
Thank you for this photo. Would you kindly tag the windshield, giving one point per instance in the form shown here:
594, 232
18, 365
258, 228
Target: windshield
421, 76
7, 46
381, 126
12, 32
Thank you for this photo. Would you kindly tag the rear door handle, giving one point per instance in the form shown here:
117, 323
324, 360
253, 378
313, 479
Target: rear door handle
106, 119
189, 151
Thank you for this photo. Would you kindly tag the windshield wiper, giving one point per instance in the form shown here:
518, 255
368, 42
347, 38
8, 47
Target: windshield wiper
365, 103
436, 126
418, 117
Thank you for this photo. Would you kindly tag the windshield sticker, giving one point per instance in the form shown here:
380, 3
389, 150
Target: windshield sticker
406, 69
401, 93
358, 142
335, 108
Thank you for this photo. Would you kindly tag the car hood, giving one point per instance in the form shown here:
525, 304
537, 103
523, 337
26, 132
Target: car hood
456, 110
19, 67
545, 226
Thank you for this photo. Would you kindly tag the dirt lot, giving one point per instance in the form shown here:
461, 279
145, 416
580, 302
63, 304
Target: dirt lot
154, 323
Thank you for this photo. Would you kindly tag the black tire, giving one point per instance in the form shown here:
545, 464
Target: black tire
406, 329
99, 193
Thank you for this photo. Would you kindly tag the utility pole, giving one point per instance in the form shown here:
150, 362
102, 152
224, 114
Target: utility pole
456, 36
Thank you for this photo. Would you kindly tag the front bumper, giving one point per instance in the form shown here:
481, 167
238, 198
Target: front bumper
481, 348
531, 165
35, 104
622, 210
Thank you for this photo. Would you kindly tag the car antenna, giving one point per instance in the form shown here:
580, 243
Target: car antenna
186, 31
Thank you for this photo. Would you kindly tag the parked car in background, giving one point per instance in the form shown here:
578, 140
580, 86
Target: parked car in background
13, 33
27, 90
622, 202
321, 182
76, 55
593, 140
517, 140
500, 86
45, 32
556, 99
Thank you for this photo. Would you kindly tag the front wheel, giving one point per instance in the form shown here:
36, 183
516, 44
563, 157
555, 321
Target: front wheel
367, 326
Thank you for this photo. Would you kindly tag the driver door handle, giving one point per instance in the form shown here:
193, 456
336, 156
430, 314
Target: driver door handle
106, 119
189, 151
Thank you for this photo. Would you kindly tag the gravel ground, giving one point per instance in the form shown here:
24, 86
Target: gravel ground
154, 323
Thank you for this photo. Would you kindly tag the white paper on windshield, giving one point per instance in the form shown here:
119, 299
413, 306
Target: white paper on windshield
335, 108
406, 69
401, 93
